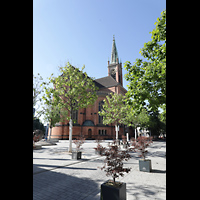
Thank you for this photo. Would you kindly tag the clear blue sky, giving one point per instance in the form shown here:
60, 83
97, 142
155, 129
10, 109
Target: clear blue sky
81, 32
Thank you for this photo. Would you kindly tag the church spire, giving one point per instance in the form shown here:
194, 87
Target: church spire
114, 66
114, 54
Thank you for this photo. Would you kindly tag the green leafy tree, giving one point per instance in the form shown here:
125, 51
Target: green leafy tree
71, 90
38, 125
147, 77
156, 125
114, 110
135, 119
37, 90
50, 110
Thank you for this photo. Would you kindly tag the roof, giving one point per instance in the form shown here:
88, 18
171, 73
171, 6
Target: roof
107, 81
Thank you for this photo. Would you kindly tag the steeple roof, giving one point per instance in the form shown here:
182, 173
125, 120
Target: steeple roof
114, 54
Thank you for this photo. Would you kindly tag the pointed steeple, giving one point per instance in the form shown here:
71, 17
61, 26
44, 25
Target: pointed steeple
114, 54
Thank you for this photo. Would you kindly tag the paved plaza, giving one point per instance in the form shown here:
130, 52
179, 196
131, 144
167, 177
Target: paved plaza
57, 176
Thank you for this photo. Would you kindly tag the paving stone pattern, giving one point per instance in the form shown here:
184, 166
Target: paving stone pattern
57, 176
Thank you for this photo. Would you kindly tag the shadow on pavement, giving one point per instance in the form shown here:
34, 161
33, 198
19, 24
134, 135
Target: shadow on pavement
146, 191
157, 154
53, 158
158, 171
64, 167
51, 185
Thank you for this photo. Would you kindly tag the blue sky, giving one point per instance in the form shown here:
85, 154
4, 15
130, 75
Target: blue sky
81, 32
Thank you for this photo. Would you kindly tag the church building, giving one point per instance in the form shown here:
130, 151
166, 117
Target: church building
88, 122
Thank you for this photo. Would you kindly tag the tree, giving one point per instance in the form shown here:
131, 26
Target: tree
72, 90
114, 161
38, 125
37, 80
155, 125
114, 110
140, 144
50, 110
148, 76
136, 120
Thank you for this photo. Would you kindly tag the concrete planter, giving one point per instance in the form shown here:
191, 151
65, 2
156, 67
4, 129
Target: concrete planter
76, 155
145, 165
109, 192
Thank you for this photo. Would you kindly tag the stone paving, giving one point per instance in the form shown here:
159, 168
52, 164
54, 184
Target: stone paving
57, 176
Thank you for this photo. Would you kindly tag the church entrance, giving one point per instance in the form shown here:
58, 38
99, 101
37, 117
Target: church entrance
89, 133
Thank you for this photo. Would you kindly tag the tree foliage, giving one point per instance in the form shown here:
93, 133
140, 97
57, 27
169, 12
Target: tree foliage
114, 161
38, 125
114, 110
71, 90
140, 145
147, 76
136, 119
37, 90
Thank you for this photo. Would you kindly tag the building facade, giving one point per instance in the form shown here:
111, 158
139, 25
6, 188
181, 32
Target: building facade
89, 122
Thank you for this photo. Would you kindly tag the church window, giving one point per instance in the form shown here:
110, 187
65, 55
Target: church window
102, 132
100, 108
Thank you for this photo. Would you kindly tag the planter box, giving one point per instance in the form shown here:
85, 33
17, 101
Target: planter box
145, 165
109, 192
76, 155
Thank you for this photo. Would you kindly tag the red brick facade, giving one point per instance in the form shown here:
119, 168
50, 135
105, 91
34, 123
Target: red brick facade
88, 122
92, 129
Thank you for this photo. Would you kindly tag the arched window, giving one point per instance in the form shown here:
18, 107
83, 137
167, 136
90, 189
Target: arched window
100, 108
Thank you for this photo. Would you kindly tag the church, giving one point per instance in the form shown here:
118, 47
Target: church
88, 122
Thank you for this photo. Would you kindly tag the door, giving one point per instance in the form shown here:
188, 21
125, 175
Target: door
89, 133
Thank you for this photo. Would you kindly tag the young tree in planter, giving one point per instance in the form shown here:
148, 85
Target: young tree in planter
124, 141
114, 110
78, 142
114, 167
72, 90
99, 149
140, 145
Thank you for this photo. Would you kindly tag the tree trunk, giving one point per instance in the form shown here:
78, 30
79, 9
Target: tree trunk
70, 135
116, 129
135, 132
49, 132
